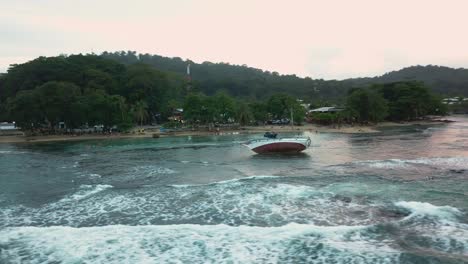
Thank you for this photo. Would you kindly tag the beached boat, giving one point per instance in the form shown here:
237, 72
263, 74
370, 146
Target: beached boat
279, 145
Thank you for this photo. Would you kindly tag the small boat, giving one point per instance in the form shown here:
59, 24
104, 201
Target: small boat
270, 135
278, 145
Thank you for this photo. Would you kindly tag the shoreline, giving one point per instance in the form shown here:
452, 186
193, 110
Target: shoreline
313, 128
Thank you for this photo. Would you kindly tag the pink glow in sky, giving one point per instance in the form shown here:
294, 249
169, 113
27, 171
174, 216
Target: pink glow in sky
329, 39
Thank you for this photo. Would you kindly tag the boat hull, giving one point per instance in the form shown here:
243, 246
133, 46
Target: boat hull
280, 147
284, 145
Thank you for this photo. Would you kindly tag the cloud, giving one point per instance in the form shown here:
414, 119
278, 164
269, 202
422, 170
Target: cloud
323, 39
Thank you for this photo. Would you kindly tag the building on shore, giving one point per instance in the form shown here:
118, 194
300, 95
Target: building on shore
7, 126
327, 109
9, 129
177, 115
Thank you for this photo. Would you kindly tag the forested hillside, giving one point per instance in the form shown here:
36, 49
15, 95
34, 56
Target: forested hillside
89, 90
442, 80
81, 89
255, 83
239, 81
123, 89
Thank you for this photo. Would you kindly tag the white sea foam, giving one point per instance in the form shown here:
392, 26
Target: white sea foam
94, 175
445, 234
447, 237
292, 243
12, 152
427, 209
234, 203
254, 177
152, 170
86, 191
389, 164
231, 181
445, 162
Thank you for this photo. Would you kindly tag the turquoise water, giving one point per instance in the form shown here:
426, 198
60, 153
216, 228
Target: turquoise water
400, 196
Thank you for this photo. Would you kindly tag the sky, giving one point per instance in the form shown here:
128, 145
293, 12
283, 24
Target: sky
327, 39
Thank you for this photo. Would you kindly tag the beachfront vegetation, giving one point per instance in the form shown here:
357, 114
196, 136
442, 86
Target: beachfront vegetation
91, 90
366, 105
400, 101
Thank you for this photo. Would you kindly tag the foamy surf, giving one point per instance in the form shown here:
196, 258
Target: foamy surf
12, 152
427, 209
231, 181
292, 243
265, 203
152, 170
86, 191
441, 162
254, 177
436, 226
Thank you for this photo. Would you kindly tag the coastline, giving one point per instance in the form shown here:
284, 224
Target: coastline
344, 129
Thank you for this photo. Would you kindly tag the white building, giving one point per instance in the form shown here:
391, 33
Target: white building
327, 109
7, 126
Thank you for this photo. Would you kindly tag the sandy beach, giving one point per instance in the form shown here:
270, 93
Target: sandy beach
242, 130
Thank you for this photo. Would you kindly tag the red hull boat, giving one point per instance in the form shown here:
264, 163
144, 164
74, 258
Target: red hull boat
280, 145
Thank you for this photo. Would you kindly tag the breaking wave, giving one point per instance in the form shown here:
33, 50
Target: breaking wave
86, 191
232, 221
152, 170
436, 226
235, 202
427, 209
12, 152
447, 162
232, 181
292, 243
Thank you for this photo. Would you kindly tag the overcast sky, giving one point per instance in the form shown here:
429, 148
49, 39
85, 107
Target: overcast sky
327, 39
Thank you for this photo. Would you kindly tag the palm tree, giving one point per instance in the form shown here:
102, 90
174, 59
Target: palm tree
244, 116
140, 111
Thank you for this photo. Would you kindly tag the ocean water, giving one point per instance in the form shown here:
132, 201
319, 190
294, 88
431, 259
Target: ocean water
400, 196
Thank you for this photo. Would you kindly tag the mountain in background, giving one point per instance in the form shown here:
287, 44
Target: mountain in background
73, 87
441, 79
238, 80
244, 81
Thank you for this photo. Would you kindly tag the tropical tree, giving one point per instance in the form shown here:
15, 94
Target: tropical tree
54, 100
409, 100
24, 109
225, 106
140, 111
193, 107
366, 105
144, 83
259, 111
243, 113
285, 106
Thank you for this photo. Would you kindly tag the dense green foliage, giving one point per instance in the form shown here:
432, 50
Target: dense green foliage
409, 100
326, 118
393, 101
284, 106
123, 89
366, 105
239, 81
441, 80
244, 81
55, 102
89, 90
85, 89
